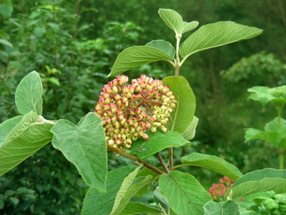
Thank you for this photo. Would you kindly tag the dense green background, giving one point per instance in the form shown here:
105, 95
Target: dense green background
73, 44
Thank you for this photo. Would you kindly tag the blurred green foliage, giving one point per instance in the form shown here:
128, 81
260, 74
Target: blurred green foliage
264, 203
73, 44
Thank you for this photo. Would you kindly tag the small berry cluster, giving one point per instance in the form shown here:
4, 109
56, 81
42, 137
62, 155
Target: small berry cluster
130, 110
217, 191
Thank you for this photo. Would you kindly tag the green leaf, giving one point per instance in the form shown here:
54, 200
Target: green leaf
215, 35
125, 186
183, 192
7, 126
264, 95
251, 134
221, 208
84, 146
189, 26
174, 21
212, 163
30, 134
6, 8
134, 208
6, 43
274, 133
29, 94
156, 143
260, 181
128, 189
102, 203
190, 131
164, 46
54, 81
184, 112
260, 94
136, 56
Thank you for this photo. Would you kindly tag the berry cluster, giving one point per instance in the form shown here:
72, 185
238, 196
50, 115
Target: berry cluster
130, 110
217, 191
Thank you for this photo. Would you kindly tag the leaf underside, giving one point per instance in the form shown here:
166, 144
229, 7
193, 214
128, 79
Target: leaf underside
84, 146
24, 136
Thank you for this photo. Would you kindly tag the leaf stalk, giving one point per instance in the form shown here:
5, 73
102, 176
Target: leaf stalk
132, 157
161, 160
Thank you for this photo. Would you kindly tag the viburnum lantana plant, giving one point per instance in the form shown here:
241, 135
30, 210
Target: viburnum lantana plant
138, 121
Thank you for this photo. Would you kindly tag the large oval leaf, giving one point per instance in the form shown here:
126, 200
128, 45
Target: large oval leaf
102, 203
29, 135
172, 19
183, 114
28, 95
84, 146
164, 46
136, 56
221, 208
156, 143
213, 163
215, 35
260, 181
183, 192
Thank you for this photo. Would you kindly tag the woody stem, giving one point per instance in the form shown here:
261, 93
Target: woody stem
161, 160
132, 157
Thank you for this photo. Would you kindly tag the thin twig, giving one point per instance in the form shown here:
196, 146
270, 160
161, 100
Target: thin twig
171, 158
177, 73
161, 160
132, 157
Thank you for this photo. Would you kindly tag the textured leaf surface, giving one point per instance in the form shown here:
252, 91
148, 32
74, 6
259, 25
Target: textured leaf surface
136, 56
215, 35
130, 186
183, 115
84, 146
221, 208
260, 181
183, 192
134, 208
102, 203
28, 95
157, 142
189, 26
190, 131
7, 126
23, 139
213, 163
164, 46
174, 21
